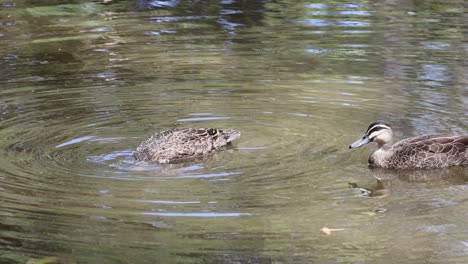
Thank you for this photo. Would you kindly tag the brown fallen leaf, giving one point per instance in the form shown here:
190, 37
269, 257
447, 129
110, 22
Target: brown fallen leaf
328, 231
370, 213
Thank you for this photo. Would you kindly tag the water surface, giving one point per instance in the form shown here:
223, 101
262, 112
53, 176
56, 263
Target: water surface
84, 82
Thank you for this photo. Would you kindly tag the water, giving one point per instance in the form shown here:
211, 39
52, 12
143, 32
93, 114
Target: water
83, 83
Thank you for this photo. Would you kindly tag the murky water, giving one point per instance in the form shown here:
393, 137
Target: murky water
83, 83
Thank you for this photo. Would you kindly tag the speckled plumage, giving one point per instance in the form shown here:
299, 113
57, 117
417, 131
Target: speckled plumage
422, 152
178, 144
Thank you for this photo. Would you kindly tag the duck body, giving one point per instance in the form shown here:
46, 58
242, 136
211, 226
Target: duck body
178, 144
425, 152
422, 152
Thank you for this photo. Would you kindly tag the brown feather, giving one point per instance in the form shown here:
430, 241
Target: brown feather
429, 151
183, 143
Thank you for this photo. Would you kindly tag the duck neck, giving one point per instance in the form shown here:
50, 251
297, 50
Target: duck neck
381, 154
385, 145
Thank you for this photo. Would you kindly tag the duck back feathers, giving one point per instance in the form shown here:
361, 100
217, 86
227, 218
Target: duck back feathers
178, 144
428, 152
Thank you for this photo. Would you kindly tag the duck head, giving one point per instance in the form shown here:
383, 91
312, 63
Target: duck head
378, 131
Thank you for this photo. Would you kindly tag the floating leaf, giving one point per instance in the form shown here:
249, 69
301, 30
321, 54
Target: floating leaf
328, 231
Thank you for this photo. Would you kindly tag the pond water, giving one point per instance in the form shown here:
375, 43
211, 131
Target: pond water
84, 82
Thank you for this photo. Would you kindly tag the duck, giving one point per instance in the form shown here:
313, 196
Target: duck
179, 144
420, 152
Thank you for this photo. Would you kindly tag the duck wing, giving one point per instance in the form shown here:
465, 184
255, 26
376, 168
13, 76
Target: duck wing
183, 143
431, 151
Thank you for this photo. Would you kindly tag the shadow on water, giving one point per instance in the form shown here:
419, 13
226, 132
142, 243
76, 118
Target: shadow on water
386, 179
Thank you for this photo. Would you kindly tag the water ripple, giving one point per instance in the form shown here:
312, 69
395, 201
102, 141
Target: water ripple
197, 214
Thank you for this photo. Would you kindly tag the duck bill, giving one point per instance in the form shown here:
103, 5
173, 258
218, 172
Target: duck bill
362, 141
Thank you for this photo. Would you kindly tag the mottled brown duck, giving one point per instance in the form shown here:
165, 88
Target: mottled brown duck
422, 152
179, 144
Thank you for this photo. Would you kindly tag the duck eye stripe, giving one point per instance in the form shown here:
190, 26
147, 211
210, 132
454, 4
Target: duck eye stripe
375, 129
378, 123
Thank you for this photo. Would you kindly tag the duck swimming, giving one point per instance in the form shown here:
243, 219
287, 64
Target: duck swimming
422, 152
179, 144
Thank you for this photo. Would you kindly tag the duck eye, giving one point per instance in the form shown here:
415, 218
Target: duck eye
211, 131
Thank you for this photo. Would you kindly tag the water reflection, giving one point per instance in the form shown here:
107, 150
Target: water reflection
84, 82
230, 16
425, 178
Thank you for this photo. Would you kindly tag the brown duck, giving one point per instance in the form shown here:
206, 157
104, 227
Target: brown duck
178, 144
422, 152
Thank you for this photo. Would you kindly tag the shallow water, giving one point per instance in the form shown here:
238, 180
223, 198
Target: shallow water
83, 83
